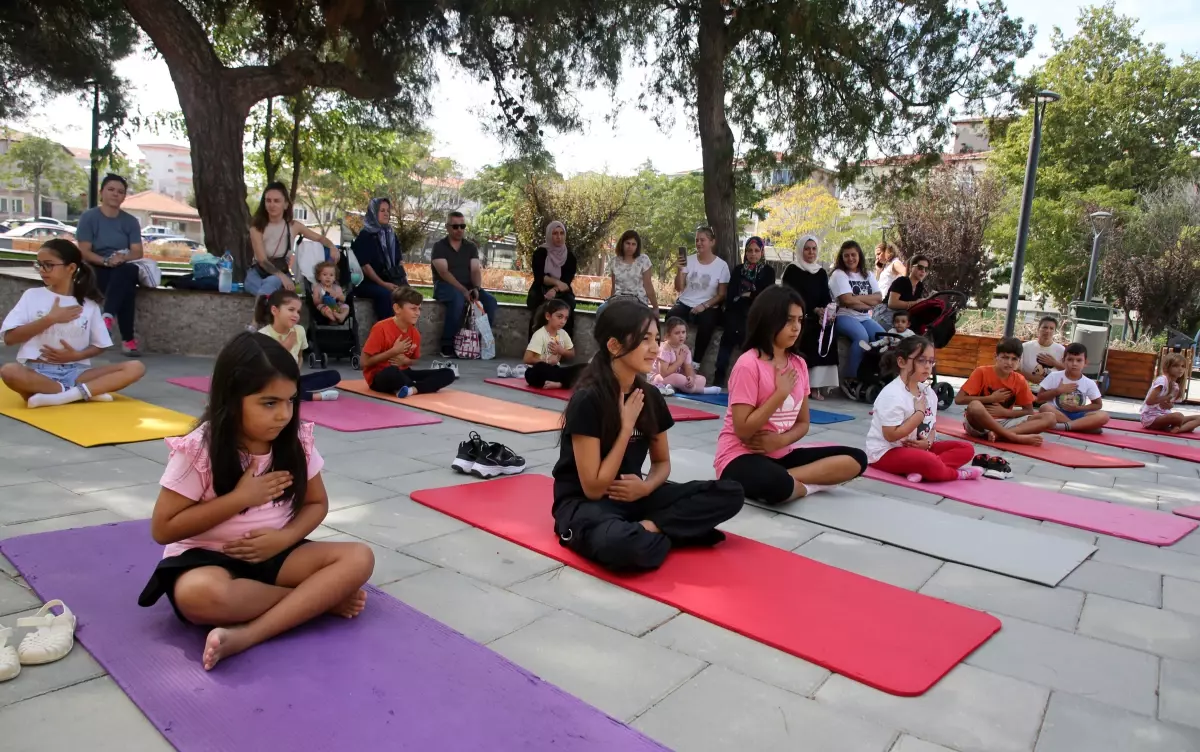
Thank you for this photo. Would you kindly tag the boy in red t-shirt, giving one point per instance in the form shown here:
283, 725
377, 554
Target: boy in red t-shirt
999, 401
394, 345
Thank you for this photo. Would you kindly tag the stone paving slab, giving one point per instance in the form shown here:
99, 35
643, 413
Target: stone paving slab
390, 565
1126, 584
372, 464
722, 710
86, 477
84, 519
1154, 630
908, 743
1076, 724
392, 523
15, 598
95, 716
484, 556
1179, 699
480, 611
1181, 595
347, 492
971, 710
772, 528
618, 673
39, 501
132, 502
1055, 607
1069, 662
884, 563
1148, 558
594, 599
719, 646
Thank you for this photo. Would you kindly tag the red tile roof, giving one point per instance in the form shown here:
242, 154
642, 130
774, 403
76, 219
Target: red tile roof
152, 202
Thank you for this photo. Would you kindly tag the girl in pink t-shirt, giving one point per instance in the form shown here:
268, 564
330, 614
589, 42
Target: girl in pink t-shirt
768, 412
238, 497
674, 367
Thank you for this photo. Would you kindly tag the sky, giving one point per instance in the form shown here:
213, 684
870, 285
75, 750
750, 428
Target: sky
618, 147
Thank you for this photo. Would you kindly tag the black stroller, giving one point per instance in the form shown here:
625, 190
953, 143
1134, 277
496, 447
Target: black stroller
326, 338
933, 318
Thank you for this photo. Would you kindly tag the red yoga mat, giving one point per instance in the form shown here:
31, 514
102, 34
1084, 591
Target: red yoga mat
678, 412
1049, 452
884, 636
346, 413
1137, 444
1133, 426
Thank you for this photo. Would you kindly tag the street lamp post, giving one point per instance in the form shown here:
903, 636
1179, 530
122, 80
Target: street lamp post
1101, 223
94, 176
1040, 100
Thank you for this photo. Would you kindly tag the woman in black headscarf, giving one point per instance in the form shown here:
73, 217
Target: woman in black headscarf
380, 257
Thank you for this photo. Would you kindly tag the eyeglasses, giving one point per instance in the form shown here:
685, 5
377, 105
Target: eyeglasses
922, 267
46, 266
457, 227
926, 362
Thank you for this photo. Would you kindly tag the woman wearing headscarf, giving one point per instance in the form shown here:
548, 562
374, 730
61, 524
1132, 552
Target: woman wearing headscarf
380, 256
553, 271
749, 278
806, 276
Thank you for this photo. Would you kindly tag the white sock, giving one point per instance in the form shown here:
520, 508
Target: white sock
74, 394
712, 390
101, 398
328, 395
812, 488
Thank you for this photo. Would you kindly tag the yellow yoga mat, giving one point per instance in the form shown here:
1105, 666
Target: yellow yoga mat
88, 424
474, 408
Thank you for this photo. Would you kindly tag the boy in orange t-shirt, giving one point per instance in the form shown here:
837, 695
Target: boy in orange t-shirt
999, 401
394, 345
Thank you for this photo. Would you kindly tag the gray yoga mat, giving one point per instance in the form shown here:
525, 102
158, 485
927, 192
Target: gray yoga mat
1015, 552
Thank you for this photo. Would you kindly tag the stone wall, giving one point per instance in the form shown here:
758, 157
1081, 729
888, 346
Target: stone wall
191, 322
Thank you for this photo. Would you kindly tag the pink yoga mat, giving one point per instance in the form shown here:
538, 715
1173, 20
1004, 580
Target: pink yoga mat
1047, 452
348, 414
1132, 426
1193, 512
1137, 443
678, 412
1131, 523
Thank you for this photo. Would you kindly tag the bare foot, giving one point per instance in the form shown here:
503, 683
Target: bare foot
816, 394
990, 436
352, 606
552, 385
650, 526
222, 642
1034, 440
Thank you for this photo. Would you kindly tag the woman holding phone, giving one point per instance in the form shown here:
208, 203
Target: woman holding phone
702, 282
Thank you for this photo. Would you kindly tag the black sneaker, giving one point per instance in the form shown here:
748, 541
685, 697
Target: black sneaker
498, 460
448, 352
993, 467
469, 452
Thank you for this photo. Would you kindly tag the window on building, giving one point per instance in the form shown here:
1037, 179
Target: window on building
3, 206
18, 205
300, 213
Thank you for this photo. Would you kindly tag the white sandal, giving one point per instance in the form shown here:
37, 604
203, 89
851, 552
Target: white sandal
10, 665
54, 638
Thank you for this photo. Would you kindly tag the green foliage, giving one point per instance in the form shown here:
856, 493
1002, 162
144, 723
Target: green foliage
803, 209
1153, 266
45, 166
499, 189
118, 163
1128, 120
590, 205
665, 210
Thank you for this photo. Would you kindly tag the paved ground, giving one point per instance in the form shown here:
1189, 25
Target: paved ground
1109, 660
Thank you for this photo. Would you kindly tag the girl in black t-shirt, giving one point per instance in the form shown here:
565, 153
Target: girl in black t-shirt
604, 509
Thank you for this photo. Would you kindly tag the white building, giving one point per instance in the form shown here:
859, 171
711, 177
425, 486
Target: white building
169, 167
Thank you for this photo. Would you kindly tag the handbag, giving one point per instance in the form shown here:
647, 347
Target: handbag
479, 319
149, 275
468, 344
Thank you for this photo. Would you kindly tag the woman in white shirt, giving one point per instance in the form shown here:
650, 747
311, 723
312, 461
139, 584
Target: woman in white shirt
631, 272
856, 293
888, 266
702, 281
59, 328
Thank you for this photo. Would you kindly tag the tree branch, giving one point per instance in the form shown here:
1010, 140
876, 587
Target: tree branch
300, 69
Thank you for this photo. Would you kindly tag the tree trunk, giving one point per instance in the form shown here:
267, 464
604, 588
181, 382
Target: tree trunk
269, 166
297, 118
716, 137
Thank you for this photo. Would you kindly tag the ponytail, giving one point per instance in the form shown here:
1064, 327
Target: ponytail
83, 282
264, 304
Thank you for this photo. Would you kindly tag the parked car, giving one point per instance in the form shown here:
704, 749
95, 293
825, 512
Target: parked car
157, 231
36, 220
41, 231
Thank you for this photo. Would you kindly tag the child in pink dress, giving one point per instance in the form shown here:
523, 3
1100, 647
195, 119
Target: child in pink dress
674, 367
238, 497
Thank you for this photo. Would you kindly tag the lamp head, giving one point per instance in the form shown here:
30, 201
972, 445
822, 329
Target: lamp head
1101, 221
1047, 95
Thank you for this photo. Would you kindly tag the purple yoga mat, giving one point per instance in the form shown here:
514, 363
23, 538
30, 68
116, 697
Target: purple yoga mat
344, 414
391, 679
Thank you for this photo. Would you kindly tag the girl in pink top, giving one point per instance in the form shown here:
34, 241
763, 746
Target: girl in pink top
768, 412
238, 497
674, 367
1165, 391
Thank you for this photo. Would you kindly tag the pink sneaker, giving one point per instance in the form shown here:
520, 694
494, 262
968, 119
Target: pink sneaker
970, 473
109, 322
130, 348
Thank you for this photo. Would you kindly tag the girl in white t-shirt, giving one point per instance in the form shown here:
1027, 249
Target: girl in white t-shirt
59, 329
901, 437
856, 294
630, 271
702, 282
1165, 391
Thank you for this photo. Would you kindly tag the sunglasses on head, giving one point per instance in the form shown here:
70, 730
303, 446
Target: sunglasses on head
457, 227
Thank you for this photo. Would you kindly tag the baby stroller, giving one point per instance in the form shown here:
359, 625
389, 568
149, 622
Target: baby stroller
934, 319
326, 338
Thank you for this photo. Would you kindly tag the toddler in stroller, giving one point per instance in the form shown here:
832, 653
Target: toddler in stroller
933, 318
333, 327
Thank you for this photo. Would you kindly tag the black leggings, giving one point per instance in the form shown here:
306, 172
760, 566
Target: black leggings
611, 534
705, 324
426, 381
119, 286
766, 479
731, 339
538, 374
317, 381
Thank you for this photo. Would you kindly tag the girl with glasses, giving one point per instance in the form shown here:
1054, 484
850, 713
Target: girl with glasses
901, 437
